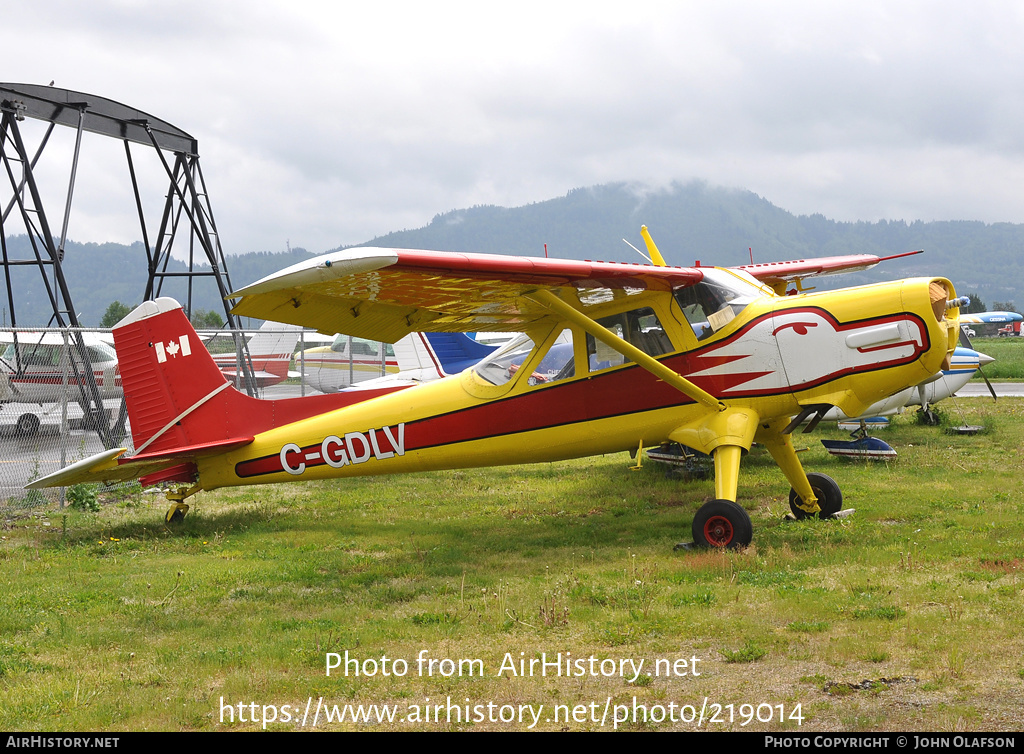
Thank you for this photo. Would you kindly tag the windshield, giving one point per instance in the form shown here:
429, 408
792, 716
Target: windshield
101, 352
713, 303
499, 367
360, 346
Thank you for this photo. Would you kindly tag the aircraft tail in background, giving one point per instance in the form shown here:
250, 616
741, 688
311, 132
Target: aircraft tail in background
431, 356
270, 353
180, 405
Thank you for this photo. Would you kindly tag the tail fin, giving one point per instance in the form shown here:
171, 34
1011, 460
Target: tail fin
174, 391
274, 339
429, 356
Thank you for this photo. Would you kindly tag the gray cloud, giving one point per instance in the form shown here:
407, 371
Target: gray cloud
327, 123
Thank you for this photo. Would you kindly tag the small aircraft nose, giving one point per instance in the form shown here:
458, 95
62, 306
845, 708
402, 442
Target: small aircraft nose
984, 359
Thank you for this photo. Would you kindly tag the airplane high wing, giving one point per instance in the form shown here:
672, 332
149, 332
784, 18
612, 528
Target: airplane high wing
386, 294
611, 357
778, 274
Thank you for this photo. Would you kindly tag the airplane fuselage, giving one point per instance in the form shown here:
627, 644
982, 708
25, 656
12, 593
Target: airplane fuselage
847, 348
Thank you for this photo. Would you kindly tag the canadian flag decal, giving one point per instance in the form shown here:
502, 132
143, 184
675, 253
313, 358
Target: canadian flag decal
173, 349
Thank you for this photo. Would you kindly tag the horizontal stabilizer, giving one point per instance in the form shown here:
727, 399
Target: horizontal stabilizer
87, 470
102, 468
191, 452
109, 466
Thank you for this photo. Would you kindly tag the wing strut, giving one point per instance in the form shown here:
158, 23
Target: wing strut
552, 303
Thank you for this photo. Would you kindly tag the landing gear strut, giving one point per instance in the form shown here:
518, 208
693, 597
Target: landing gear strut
176, 513
827, 492
723, 522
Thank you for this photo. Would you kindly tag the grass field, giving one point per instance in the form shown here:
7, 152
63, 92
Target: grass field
1008, 354
905, 616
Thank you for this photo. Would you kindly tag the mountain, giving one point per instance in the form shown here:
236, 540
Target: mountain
99, 274
692, 221
695, 221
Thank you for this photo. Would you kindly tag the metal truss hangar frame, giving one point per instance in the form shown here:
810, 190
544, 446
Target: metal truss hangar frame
186, 209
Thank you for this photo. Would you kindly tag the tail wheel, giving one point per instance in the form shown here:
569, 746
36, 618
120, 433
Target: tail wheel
722, 523
176, 513
830, 497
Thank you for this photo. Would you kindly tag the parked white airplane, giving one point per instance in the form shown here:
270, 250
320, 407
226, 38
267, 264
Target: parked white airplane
270, 352
34, 370
36, 367
419, 357
942, 385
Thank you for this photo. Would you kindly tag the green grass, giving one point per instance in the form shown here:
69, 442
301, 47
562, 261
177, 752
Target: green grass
111, 621
1008, 354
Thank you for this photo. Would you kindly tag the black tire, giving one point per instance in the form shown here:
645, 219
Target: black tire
176, 513
830, 497
28, 425
722, 523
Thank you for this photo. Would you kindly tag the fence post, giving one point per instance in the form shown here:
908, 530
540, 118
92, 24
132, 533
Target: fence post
65, 361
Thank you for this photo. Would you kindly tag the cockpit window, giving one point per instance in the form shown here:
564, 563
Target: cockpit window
500, 366
638, 327
713, 303
360, 346
558, 363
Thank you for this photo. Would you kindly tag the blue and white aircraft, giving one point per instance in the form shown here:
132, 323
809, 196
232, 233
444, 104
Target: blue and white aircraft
942, 385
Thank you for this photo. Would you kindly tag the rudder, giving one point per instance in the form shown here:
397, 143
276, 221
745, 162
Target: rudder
175, 394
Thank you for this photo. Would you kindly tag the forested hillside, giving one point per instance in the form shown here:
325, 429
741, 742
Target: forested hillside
689, 222
722, 226
99, 274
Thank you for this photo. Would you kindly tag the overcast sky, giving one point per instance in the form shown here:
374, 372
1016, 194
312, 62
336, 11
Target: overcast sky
327, 123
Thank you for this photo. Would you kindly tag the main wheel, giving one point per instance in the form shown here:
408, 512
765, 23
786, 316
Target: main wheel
28, 425
830, 497
722, 523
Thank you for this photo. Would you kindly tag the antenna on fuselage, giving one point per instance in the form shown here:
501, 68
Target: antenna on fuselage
634, 248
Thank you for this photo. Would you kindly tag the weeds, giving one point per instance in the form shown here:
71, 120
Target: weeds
82, 497
247, 595
750, 652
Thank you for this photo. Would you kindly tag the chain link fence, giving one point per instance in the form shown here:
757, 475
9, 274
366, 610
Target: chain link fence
61, 398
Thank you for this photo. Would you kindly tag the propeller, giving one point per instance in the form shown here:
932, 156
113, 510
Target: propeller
966, 343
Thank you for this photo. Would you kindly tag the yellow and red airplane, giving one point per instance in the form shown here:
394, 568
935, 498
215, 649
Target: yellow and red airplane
612, 357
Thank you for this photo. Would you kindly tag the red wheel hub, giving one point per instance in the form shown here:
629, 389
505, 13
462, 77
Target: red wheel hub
718, 531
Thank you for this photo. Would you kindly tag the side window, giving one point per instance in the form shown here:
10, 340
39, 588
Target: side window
557, 364
362, 347
42, 356
505, 362
639, 327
